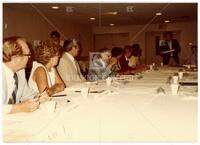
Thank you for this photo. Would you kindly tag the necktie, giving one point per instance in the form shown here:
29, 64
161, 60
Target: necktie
77, 68
14, 93
170, 47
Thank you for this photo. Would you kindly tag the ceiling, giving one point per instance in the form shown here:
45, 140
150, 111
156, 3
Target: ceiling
127, 13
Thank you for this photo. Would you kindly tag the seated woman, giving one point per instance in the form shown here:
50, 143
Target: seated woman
101, 66
135, 61
44, 75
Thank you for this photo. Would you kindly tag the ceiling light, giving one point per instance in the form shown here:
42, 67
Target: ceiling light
92, 18
55, 7
111, 13
158, 14
167, 21
114, 13
112, 24
190, 44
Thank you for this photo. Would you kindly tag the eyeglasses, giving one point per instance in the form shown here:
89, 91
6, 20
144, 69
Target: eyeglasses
108, 54
76, 46
29, 55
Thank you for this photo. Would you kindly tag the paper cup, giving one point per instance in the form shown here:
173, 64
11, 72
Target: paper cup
175, 79
84, 92
180, 75
151, 67
174, 89
108, 81
50, 107
188, 66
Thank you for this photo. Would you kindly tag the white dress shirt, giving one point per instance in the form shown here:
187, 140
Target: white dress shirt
10, 81
72, 59
75, 63
23, 91
170, 47
10, 84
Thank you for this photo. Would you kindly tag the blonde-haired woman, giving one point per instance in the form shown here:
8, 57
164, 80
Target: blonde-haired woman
44, 75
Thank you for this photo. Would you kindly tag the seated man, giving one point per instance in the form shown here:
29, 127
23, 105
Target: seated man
101, 66
124, 62
192, 59
68, 67
119, 67
17, 96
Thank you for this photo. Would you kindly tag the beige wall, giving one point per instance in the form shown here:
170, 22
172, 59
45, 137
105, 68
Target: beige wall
137, 33
33, 26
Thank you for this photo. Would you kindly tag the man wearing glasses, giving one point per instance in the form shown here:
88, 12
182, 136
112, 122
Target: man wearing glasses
101, 67
68, 66
17, 96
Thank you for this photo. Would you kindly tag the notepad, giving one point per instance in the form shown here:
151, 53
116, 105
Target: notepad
168, 51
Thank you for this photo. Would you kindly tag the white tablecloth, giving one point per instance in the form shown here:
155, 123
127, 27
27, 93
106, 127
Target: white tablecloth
129, 110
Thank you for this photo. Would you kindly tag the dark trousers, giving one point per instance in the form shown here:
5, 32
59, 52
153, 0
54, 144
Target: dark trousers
167, 57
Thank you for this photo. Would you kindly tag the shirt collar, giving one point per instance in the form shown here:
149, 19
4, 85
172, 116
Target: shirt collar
70, 56
8, 71
126, 58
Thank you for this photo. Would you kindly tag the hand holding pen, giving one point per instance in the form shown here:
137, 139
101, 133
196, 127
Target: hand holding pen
43, 97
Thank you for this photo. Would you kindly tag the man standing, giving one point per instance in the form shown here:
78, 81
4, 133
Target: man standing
17, 96
170, 49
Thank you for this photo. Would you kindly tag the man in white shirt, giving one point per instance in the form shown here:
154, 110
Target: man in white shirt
17, 96
68, 67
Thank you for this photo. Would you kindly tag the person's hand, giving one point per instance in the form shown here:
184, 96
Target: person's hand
43, 97
113, 61
141, 68
133, 71
117, 74
144, 67
55, 89
29, 105
128, 72
60, 87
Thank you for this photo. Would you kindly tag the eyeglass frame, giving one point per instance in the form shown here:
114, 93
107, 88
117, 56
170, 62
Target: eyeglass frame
29, 55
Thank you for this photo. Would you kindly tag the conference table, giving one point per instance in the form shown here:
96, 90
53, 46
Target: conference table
131, 109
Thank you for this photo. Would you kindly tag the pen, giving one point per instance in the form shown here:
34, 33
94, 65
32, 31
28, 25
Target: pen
43, 92
59, 95
44, 89
62, 96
